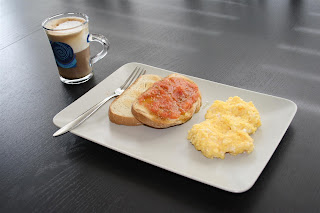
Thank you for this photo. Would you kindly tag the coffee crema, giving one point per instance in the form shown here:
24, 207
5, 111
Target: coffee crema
69, 41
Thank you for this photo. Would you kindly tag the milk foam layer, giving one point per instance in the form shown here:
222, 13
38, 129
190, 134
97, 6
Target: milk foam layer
68, 25
69, 30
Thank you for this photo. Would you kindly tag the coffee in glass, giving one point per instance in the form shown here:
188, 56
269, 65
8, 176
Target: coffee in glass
69, 37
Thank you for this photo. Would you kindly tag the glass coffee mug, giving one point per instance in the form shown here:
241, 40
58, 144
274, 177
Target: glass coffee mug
69, 37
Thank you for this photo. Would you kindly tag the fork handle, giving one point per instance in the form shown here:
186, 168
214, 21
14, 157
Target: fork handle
81, 118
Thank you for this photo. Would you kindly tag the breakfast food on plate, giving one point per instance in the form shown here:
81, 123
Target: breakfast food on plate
226, 128
120, 108
244, 114
169, 102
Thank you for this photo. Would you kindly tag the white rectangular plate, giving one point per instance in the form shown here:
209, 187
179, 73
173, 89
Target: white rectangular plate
169, 148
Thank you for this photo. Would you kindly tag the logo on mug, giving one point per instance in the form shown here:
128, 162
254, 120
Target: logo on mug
64, 55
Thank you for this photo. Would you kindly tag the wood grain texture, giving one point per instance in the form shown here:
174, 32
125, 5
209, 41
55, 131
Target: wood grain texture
265, 46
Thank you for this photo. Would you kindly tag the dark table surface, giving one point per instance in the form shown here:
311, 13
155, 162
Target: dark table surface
269, 46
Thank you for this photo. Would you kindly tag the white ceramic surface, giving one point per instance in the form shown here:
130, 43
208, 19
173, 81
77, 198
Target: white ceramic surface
169, 148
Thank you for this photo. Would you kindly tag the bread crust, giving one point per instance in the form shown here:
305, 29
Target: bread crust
144, 116
121, 120
130, 120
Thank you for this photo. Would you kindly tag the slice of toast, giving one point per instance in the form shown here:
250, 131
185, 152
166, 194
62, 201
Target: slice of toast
120, 108
145, 116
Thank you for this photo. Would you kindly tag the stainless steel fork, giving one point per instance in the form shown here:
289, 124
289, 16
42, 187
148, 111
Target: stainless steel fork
84, 116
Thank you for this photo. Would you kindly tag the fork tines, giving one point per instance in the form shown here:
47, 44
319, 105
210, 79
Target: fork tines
137, 72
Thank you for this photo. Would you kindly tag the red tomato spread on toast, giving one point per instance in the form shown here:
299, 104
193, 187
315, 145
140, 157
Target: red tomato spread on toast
170, 97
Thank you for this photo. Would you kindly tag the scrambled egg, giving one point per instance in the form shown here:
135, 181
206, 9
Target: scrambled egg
226, 128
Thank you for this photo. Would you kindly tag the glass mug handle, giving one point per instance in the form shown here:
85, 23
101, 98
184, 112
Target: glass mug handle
105, 44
